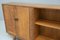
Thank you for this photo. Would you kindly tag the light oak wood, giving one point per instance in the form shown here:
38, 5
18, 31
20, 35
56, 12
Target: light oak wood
22, 24
34, 5
25, 20
40, 37
11, 33
34, 30
47, 23
9, 18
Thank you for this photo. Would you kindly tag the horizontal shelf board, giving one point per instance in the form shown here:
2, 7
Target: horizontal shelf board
46, 23
40, 37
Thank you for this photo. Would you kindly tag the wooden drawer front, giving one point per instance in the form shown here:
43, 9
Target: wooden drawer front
9, 18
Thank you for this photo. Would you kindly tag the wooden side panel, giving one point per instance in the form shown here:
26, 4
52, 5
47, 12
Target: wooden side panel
8, 12
22, 23
34, 29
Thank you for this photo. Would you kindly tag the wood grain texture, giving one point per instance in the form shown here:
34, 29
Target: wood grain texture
23, 20
8, 12
25, 25
22, 25
47, 23
50, 32
43, 38
34, 30
35, 5
49, 14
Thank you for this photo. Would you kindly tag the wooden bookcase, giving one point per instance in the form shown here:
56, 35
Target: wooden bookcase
32, 21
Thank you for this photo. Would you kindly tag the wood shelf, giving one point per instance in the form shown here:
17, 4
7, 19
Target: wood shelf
40, 37
46, 23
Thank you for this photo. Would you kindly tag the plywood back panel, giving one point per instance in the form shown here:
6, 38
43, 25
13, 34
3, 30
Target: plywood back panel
49, 14
50, 32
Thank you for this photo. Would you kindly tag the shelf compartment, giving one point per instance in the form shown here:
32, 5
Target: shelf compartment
40, 37
47, 23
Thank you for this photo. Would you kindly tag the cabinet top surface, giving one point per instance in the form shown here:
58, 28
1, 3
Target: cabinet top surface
34, 5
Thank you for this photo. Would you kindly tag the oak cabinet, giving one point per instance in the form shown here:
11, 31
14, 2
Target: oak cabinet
20, 21
32, 21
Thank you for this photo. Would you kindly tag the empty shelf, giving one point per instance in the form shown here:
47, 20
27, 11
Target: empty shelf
43, 38
46, 23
